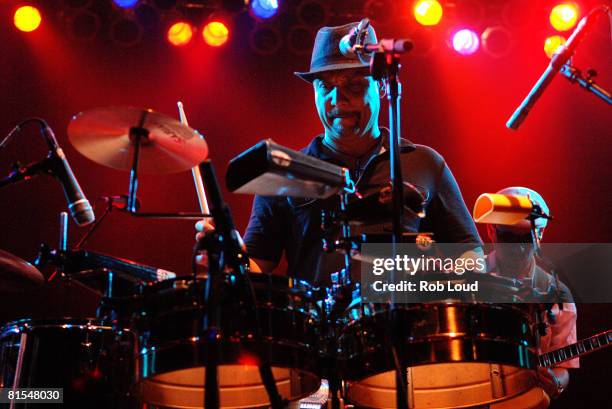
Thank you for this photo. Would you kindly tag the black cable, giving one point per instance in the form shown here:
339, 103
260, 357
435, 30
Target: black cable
94, 226
19, 127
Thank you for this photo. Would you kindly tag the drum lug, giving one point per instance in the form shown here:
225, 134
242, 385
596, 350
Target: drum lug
497, 381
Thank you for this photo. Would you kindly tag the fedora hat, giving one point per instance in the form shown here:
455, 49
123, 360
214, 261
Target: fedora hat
326, 55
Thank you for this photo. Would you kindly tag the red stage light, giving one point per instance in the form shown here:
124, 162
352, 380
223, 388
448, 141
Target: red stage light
27, 18
180, 33
215, 33
564, 16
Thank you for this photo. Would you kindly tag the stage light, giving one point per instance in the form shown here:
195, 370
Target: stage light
215, 33
126, 32
428, 12
84, 25
497, 41
465, 42
263, 8
180, 33
300, 39
553, 43
27, 18
564, 16
265, 39
125, 4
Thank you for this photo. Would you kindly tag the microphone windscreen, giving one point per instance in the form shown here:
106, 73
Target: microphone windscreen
502, 209
403, 45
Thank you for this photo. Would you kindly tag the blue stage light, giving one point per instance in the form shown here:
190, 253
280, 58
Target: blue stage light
264, 8
125, 4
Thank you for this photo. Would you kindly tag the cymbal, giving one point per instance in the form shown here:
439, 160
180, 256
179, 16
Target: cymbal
103, 135
17, 274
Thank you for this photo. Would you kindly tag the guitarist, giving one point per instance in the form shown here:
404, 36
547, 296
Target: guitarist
520, 262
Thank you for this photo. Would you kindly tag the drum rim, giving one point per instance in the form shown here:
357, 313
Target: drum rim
516, 355
256, 278
302, 351
28, 324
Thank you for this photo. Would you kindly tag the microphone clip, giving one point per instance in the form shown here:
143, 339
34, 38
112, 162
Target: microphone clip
22, 173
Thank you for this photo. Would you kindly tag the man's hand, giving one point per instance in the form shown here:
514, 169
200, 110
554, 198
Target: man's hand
205, 227
553, 380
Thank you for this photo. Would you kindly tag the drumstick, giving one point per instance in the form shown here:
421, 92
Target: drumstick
195, 171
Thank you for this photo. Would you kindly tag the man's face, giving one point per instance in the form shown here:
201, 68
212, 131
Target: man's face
348, 103
514, 246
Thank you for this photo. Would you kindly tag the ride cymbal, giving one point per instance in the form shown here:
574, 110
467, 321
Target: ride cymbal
17, 275
103, 135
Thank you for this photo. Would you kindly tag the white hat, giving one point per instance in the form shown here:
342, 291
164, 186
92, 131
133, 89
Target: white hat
534, 196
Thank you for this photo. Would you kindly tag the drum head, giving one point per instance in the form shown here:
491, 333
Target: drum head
175, 347
458, 355
240, 386
89, 361
453, 385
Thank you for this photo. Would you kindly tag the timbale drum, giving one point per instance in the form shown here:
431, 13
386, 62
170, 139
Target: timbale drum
90, 361
457, 355
173, 350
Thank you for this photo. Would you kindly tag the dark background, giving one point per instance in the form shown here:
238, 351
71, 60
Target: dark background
235, 97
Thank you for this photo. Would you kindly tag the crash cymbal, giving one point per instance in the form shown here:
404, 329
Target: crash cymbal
17, 274
103, 135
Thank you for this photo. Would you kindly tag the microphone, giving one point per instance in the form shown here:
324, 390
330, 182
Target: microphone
387, 45
355, 37
556, 63
78, 205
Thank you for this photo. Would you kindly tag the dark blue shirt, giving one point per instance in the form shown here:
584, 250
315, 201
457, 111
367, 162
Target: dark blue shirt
293, 226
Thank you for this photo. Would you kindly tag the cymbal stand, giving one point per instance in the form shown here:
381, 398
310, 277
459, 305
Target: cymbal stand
139, 135
228, 254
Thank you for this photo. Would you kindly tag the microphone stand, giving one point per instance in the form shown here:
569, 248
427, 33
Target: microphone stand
228, 254
574, 76
386, 64
21, 173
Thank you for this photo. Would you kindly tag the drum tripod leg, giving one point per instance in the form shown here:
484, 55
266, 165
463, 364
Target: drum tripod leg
401, 382
211, 383
265, 372
16, 380
335, 399
410, 388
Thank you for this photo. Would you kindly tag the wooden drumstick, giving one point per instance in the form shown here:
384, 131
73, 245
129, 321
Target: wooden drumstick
195, 171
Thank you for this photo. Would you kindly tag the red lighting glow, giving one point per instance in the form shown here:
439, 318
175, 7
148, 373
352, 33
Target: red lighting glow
248, 360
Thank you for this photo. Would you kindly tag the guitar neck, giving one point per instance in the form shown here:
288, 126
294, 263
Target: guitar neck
580, 348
